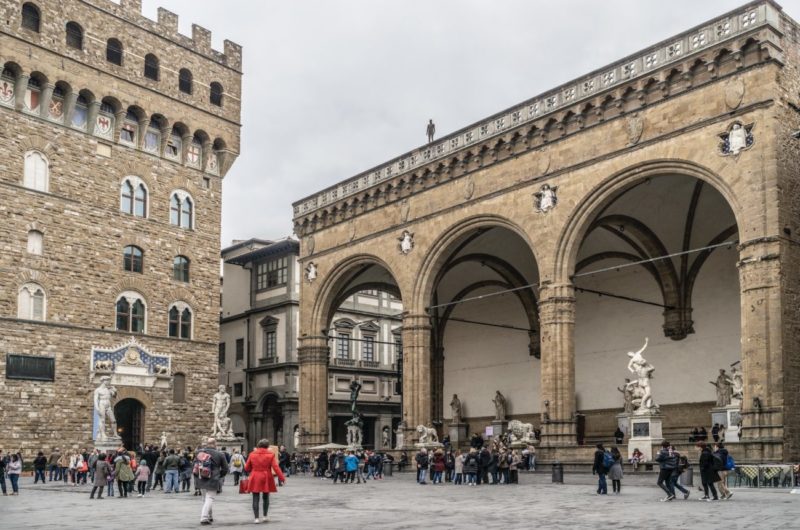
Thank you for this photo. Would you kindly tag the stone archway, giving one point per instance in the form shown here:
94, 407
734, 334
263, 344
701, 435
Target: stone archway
130, 414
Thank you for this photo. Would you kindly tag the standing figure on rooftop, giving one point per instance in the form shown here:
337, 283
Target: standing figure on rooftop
431, 130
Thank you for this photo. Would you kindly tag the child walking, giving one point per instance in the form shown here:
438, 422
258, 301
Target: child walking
142, 474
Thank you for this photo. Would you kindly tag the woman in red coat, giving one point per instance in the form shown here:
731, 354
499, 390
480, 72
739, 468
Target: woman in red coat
260, 465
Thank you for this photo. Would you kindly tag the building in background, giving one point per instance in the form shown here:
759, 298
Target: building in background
116, 133
258, 348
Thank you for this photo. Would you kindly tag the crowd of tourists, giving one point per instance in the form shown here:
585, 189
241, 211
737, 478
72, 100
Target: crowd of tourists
714, 465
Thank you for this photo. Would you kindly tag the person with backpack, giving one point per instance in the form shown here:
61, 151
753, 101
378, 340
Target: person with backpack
599, 468
683, 463
438, 466
123, 472
667, 463
185, 471
237, 466
101, 473
615, 471
723, 463
209, 466
471, 466
422, 465
262, 466
708, 475
142, 474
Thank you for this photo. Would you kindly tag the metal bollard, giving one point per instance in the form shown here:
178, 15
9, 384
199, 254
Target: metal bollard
388, 468
687, 477
558, 472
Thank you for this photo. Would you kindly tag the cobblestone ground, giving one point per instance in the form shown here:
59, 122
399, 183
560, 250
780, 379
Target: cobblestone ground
398, 502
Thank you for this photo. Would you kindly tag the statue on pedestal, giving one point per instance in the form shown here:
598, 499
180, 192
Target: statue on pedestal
427, 435
385, 437
355, 430
400, 434
102, 404
219, 407
737, 386
724, 388
499, 406
644, 372
627, 396
296, 436
355, 389
163, 444
455, 409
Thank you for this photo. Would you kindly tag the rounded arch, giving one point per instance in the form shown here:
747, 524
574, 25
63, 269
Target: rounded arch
444, 246
132, 392
336, 282
579, 222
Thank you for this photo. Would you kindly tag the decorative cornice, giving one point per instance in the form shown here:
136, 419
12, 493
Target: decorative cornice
631, 71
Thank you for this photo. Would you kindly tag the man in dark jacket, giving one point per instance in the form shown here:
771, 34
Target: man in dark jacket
599, 469
422, 465
211, 484
151, 457
722, 453
485, 458
667, 462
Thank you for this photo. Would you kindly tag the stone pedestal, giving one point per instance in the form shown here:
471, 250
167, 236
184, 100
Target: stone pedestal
624, 423
458, 434
645, 430
430, 446
729, 416
229, 444
499, 427
110, 444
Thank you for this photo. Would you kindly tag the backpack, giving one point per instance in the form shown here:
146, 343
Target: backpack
237, 460
203, 465
719, 465
730, 464
509, 459
608, 460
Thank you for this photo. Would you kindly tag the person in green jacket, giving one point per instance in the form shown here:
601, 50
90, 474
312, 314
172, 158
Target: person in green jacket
123, 472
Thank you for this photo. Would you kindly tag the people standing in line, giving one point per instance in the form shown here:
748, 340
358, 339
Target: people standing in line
63, 466
438, 466
422, 465
485, 459
142, 476
158, 471
13, 470
208, 461
237, 466
261, 464
722, 453
111, 478
171, 469
39, 466
708, 475
101, 474
667, 463
123, 472
599, 469
615, 473
472, 466
458, 468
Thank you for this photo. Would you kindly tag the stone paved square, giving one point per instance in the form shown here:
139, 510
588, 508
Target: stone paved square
399, 503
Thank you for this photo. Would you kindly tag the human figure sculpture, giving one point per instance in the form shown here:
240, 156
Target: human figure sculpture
430, 130
163, 444
737, 386
219, 407
455, 408
355, 389
499, 406
297, 436
103, 395
737, 139
385, 438
724, 388
627, 396
399, 434
355, 431
644, 372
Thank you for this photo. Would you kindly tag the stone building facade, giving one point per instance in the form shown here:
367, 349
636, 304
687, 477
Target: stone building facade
258, 348
654, 197
117, 132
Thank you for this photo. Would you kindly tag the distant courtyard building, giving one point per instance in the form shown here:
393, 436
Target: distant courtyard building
258, 357
116, 134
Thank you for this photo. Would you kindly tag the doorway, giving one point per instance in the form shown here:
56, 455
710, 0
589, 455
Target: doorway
130, 422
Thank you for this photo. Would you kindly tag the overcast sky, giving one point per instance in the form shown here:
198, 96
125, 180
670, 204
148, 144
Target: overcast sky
335, 87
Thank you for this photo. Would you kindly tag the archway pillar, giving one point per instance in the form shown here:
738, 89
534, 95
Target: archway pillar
557, 320
313, 355
762, 345
416, 374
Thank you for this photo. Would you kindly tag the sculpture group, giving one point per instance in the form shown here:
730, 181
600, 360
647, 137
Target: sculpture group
638, 393
730, 388
220, 404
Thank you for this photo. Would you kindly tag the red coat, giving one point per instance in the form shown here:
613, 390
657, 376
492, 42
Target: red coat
260, 465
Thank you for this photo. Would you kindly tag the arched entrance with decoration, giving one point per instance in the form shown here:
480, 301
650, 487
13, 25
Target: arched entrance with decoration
130, 414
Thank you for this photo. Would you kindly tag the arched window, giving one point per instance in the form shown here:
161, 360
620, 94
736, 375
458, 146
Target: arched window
194, 153
133, 197
74, 36
181, 210
56, 108
180, 321
114, 52
179, 388
152, 138
33, 94
174, 146
7, 81
80, 114
180, 268
185, 81
31, 19
31, 302
151, 67
35, 242
133, 259
131, 313
37, 171
216, 94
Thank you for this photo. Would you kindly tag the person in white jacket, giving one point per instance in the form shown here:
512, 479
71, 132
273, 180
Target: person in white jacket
13, 469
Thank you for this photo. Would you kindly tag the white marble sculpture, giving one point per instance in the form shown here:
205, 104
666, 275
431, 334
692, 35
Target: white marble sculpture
400, 435
385, 438
427, 435
219, 407
455, 409
737, 386
520, 432
311, 272
546, 198
499, 406
643, 371
406, 242
163, 444
737, 139
103, 395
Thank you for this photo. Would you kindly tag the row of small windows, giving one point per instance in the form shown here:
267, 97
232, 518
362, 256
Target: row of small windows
152, 135
31, 19
272, 273
131, 312
133, 261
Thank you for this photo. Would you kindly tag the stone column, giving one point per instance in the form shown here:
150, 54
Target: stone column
119, 121
762, 345
557, 321
416, 374
47, 97
144, 123
91, 116
70, 100
313, 355
20, 86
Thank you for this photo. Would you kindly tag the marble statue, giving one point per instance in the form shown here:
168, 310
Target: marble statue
297, 437
455, 408
399, 434
737, 139
355, 389
644, 373
219, 407
406, 242
163, 444
627, 396
499, 406
103, 395
724, 388
737, 386
520, 432
546, 198
355, 430
385, 438
427, 435
311, 272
